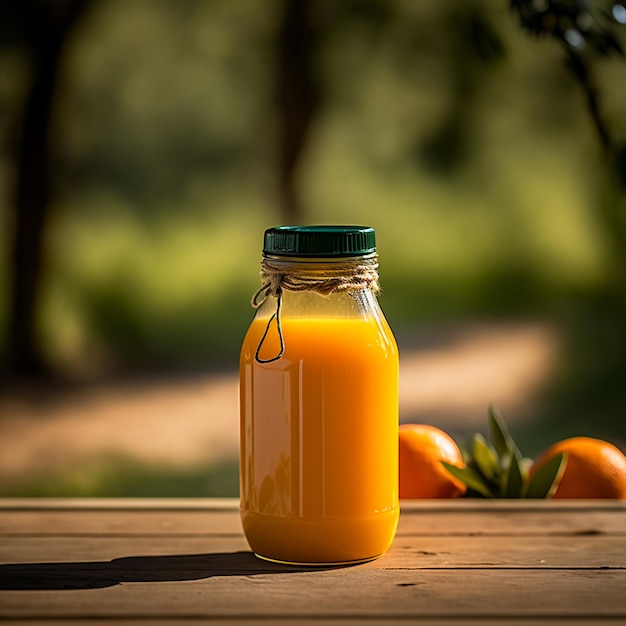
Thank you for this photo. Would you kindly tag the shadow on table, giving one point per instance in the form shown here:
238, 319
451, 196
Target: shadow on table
136, 569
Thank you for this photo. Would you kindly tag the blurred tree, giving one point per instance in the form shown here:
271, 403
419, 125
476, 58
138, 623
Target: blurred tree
298, 100
590, 382
474, 43
300, 90
165, 104
585, 30
45, 26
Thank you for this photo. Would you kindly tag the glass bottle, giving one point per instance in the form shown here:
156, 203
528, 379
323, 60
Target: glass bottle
319, 402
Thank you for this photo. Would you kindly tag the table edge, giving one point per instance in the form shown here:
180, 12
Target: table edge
232, 505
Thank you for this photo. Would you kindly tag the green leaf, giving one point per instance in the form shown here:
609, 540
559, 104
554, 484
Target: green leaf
514, 480
498, 432
547, 478
485, 457
470, 478
505, 466
501, 437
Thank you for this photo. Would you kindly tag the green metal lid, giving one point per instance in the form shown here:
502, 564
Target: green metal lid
319, 241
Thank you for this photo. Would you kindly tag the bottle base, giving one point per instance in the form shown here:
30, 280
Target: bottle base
319, 542
315, 564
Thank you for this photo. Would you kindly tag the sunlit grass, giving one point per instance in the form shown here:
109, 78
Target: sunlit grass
119, 476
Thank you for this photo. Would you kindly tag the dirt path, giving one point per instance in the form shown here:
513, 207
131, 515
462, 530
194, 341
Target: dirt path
447, 379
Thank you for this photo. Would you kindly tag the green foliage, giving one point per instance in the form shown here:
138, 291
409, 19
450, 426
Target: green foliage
586, 394
465, 142
120, 476
460, 139
497, 469
578, 25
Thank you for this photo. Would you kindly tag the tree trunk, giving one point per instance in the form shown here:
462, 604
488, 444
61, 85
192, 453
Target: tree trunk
49, 26
298, 100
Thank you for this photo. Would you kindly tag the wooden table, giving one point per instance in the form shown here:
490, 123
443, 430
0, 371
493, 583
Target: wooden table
186, 561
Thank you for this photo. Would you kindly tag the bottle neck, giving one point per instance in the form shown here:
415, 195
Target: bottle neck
319, 287
324, 276
315, 262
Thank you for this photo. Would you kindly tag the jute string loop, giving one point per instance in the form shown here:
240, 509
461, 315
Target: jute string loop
330, 278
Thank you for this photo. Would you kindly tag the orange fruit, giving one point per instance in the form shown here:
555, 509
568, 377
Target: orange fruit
422, 447
594, 469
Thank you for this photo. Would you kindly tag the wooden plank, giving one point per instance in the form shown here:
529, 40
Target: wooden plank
164, 569
119, 523
209, 554
358, 592
119, 504
502, 552
201, 523
513, 522
429, 518
216, 504
453, 562
325, 621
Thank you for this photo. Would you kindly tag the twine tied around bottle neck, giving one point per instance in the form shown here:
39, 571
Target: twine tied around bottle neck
323, 278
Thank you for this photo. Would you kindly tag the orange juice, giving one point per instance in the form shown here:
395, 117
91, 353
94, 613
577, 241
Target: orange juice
319, 436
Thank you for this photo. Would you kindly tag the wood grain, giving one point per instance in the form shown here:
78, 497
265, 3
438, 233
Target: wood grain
202, 517
454, 562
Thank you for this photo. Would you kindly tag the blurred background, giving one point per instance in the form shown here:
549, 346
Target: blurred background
146, 144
